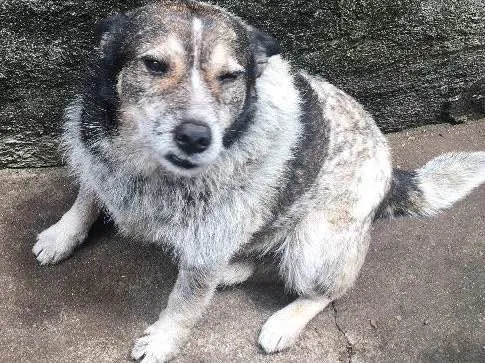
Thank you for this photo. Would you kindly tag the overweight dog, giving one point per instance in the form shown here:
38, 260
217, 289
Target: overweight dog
193, 133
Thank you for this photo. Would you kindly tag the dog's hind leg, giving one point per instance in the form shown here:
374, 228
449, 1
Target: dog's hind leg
319, 261
57, 242
283, 328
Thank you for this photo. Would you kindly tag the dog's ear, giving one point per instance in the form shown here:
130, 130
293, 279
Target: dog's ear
104, 67
262, 46
109, 34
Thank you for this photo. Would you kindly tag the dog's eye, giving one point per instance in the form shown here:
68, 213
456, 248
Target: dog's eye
156, 66
230, 76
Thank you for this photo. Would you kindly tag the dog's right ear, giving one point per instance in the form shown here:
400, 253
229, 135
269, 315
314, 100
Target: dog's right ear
109, 33
104, 68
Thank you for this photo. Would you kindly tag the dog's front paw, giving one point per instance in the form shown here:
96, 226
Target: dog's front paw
156, 346
56, 243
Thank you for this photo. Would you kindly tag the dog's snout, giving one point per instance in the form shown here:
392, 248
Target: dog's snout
193, 137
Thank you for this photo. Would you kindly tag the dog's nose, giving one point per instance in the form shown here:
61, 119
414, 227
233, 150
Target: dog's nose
193, 137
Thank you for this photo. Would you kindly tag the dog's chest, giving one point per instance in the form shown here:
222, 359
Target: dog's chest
175, 215
151, 209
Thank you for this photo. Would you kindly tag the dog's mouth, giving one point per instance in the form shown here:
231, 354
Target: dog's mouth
181, 163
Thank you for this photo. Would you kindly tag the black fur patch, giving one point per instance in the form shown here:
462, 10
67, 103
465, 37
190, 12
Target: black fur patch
309, 154
302, 170
240, 126
261, 47
402, 198
99, 119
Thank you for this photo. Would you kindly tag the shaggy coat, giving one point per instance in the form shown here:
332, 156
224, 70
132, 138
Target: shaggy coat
193, 133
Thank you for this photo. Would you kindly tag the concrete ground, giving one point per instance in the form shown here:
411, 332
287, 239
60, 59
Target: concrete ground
420, 296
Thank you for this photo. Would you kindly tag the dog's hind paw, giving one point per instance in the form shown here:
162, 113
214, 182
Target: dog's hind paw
282, 329
277, 335
55, 244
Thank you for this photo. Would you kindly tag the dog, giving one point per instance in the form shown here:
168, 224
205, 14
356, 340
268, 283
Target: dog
193, 133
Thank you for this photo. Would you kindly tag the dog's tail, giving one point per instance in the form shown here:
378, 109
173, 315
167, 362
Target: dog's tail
434, 187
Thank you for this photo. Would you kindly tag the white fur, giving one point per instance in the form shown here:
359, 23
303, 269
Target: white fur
283, 328
375, 174
237, 273
196, 39
172, 46
221, 59
449, 178
160, 343
59, 240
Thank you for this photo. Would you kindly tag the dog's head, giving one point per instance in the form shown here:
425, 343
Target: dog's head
177, 79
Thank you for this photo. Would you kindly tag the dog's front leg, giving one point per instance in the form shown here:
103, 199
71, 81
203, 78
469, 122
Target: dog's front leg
192, 291
59, 240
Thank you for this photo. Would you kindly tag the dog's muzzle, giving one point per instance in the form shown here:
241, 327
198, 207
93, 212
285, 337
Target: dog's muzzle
193, 137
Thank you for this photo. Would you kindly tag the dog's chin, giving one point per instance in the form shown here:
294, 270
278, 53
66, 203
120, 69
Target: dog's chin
181, 166
173, 161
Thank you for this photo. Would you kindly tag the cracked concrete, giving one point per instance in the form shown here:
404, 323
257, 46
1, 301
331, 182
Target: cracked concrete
350, 345
420, 296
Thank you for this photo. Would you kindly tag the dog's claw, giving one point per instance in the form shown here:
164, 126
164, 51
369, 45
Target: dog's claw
56, 244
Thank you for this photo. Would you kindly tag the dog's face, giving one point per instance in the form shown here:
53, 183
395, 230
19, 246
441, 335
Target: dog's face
185, 81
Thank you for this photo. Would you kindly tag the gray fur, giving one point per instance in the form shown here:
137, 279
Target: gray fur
297, 182
434, 187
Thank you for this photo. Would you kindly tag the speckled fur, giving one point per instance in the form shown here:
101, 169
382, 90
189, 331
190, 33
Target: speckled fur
297, 173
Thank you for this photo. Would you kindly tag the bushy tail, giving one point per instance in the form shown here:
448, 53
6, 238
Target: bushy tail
434, 187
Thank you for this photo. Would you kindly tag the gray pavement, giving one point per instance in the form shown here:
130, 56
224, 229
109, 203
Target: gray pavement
420, 296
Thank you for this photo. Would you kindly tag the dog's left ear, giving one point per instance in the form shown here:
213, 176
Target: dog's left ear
262, 46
